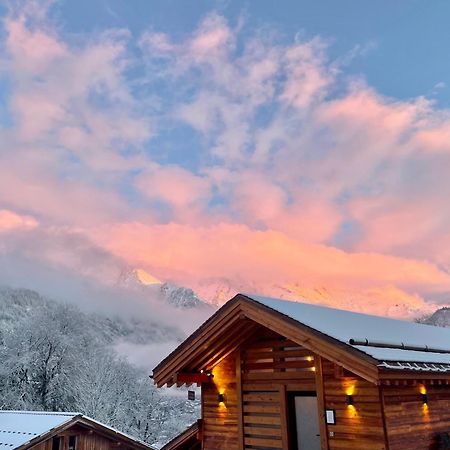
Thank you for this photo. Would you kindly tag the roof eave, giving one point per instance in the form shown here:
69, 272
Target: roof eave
81, 419
243, 306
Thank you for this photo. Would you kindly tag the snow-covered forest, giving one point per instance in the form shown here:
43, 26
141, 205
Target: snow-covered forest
56, 357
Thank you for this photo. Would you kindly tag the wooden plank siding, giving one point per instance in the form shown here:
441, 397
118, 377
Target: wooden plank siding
220, 421
410, 423
359, 426
272, 367
85, 441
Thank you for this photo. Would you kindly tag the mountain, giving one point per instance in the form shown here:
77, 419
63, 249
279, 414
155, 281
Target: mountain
440, 318
388, 301
18, 304
137, 277
138, 280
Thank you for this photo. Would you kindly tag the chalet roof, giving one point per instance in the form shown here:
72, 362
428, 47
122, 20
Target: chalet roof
382, 338
362, 343
20, 428
188, 439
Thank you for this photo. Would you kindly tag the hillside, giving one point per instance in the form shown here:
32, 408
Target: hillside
57, 357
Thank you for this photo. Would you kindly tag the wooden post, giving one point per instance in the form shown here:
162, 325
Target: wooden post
284, 417
383, 417
239, 400
321, 402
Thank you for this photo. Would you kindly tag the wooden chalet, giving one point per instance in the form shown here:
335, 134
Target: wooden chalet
39, 430
278, 375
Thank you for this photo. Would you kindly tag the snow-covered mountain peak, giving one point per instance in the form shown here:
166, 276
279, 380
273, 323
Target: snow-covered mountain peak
142, 283
138, 278
145, 278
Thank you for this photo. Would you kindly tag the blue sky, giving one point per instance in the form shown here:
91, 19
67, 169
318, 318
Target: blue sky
404, 44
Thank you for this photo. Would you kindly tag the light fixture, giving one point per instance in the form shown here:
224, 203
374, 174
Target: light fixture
349, 400
221, 398
424, 398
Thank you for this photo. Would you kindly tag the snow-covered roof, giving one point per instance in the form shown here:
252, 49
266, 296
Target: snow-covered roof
19, 427
386, 340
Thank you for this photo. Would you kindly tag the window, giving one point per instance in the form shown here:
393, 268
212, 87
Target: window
72, 443
56, 443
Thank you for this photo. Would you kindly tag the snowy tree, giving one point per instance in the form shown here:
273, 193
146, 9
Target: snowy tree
55, 357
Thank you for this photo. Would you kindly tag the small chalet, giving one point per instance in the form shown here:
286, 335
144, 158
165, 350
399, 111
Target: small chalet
60, 431
277, 374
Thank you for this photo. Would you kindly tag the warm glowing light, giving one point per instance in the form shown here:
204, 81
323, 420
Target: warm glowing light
425, 412
309, 358
351, 411
350, 390
423, 389
218, 376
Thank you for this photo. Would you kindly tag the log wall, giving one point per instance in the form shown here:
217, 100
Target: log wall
220, 421
411, 424
85, 441
271, 367
258, 378
358, 426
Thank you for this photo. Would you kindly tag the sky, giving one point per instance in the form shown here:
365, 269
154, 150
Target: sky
283, 148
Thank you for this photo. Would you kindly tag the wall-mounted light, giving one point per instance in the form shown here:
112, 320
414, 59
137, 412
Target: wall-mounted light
221, 398
349, 400
424, 398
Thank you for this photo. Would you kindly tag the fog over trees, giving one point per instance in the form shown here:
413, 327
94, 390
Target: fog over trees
57, 358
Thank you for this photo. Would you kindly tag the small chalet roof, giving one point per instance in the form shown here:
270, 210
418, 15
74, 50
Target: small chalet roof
188, 439
364, 344
20, 428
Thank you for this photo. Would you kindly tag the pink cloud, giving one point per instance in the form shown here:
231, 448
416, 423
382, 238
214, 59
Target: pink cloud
435, 138
308, 77
9, 221
176, 186
270, 261
213, 34
241, 251
32, 50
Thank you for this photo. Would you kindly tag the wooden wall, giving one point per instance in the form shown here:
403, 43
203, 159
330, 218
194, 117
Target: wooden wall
261, 374
85, 441
270, 367
220, 421
412, 425
359, 426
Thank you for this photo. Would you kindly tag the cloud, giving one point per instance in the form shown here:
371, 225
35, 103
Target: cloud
237, 249
177, 187
10, 220
227, 153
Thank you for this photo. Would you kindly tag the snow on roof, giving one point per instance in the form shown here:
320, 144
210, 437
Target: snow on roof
19, 427
345, 326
